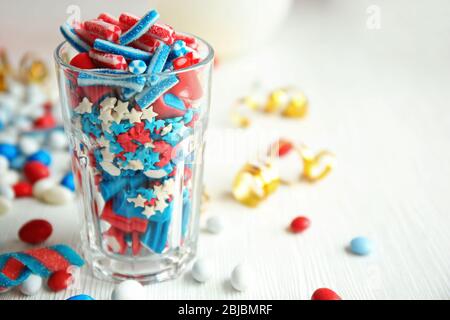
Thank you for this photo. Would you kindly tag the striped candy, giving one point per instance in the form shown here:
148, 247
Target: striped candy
71, 37
160, 31
15, 267
139, 28
137, 67
103, 30
134, 82
108, 60
158, 61
150, 94
109, 19
126, 52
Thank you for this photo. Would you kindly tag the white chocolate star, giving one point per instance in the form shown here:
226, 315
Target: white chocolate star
105, 115
120, 111
169, 186
103, 142
85, 106
166, 129
106, 126
161, 205
139, 201
148, 114
134, 116
108, 103
149, 211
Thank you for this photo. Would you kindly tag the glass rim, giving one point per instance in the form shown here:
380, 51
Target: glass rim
208, 59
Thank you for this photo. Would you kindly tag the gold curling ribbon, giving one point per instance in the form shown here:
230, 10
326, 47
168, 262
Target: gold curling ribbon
5, 69
276, 99
316, 166
254, 183
32, 69
238, 111
297, 106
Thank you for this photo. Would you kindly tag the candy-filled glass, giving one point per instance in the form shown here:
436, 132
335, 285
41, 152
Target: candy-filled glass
137, 151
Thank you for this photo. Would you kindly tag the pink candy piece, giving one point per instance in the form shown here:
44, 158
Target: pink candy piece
160, 31
103, 30
106, 17
108, 60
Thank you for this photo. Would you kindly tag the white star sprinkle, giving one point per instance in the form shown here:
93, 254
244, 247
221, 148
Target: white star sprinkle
108, 103
120, 111
107, 155
161, 205
105, 115
85, 106
148, 211
169, 186
103, 142
134, 116
166, 129
148, 114
139, 201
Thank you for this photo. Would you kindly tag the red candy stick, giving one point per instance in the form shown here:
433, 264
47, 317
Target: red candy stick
108, 60
160, 31
35, 231
85, 35
147, 44
103, 30
106, 17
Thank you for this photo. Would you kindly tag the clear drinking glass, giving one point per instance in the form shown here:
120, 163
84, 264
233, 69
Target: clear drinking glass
139, 175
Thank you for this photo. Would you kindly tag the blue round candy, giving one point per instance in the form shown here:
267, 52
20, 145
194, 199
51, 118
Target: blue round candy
9, 150
42, 156
17, 163
68, 181
361, 246
81, 297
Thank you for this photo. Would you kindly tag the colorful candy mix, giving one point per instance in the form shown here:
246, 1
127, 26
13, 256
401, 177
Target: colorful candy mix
139, 120
16, 267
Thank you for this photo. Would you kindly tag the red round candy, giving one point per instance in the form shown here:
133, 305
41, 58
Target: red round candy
23, 189
300, 224
82, 61
60, 280
35, 231
47, 121
35, 170
325, 294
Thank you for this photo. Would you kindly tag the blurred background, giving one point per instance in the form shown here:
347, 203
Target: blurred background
377, 75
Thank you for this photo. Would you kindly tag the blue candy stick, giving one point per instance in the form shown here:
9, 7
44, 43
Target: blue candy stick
72, 38
151, 94
127, 52
158, 61
141, 27
135, 82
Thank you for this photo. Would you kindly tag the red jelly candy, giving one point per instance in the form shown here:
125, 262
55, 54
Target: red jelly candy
35, 170
325, 294
35, 231
47, 121
82, 61
300, 224
60, 280
23, 189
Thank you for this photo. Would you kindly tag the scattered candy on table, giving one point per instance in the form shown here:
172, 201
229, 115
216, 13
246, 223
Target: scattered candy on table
240, 278
361, 246
35, 231
128, 290
325, 294
214, 224
60, 280
201, 270
16, 267
31, 286
81, 297
300, 224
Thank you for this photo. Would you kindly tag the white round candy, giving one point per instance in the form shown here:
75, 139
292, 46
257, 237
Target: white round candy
31, 285
5, 205
57, 195
4, 164
128, 290
214, 224
9, 177
240, 278
41, 186
201, 270
28, 145
7, 192
58, 140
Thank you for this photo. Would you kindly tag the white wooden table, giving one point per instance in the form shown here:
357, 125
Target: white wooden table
380, 101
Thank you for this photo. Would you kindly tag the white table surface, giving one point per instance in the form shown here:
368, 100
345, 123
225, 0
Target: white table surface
380, 101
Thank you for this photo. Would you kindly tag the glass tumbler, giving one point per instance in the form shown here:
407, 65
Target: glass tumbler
137, 146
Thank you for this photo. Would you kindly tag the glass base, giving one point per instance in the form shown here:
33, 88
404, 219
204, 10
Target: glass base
161, 267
